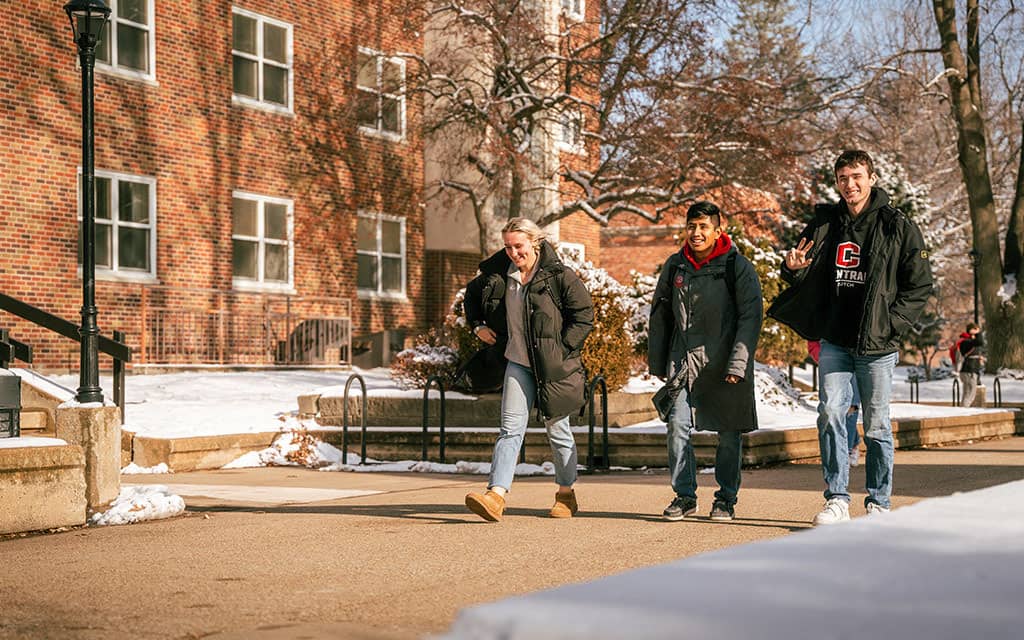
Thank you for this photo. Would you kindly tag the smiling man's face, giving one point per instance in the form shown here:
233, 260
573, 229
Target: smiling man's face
701, 235
854, 183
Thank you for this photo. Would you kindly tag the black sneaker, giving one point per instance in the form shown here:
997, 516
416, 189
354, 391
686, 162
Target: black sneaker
721, 512
681, 507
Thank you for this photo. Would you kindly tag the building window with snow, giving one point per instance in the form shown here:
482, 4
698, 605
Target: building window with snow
127, 45
261, 242
125, 226
380, 99
380, 249
569, 134
573, 9
261, 58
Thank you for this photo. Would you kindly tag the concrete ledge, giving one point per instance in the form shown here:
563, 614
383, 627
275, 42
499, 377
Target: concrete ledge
623, 409
41, 488
97, 429
202, 452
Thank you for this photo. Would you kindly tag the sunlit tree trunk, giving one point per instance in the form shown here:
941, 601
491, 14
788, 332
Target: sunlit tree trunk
1004, 323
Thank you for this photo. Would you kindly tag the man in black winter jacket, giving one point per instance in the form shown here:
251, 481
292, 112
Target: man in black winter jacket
859, 279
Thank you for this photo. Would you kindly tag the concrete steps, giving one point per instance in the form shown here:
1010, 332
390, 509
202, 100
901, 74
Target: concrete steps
626, 447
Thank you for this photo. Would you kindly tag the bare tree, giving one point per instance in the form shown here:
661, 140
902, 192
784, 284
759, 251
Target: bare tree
1004, 314
629, 110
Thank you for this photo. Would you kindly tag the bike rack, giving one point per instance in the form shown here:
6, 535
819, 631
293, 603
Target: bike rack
604, 424
956, 392
426, 407
344, 421
997, 392
915, 391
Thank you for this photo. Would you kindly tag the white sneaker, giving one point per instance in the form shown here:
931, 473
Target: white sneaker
873, 508
836, 510
854, 456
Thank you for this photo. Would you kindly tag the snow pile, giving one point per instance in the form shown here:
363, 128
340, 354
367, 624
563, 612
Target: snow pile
138, 503
773, 390
1013, 374
291, 449
418, 466
135, 469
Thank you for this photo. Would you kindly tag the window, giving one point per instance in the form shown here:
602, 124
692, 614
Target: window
380, 99
570, 131
261, 56
573, 8
125, 225
261, 241
126, 46
380, 250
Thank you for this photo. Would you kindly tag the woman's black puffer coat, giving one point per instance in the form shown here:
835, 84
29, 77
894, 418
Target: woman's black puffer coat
559, 315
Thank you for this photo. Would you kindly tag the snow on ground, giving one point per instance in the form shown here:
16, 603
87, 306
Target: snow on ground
15, 443
943, 568
134, 469
198, 403
140, 502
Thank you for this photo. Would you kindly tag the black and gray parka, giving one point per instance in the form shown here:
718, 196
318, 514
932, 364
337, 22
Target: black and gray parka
696, 324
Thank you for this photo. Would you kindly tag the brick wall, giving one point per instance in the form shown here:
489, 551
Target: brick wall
184, 131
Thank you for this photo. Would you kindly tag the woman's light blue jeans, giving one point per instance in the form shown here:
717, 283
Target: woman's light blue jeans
683, 465
517, 398
838, 368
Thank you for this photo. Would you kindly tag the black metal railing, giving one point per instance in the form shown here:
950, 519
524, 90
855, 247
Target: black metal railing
11, 350
115, 348
426, 415
956, 392
604, 463
997, 392
915, 390
355, 377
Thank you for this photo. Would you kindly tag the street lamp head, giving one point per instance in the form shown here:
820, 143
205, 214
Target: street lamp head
87, 20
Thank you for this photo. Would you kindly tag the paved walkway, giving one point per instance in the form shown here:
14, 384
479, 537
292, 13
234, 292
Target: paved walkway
250, 560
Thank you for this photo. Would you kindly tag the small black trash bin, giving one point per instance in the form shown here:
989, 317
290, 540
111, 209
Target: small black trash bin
10, 405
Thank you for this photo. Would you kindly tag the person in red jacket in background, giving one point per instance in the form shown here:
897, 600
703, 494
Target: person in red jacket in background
852, 437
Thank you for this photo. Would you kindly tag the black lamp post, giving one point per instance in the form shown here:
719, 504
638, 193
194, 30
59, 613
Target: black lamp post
975, 263
88, 17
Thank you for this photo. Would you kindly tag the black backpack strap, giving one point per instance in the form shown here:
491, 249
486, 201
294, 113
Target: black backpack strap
730, 276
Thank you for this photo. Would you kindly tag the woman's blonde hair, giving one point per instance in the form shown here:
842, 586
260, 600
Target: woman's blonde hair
525, 226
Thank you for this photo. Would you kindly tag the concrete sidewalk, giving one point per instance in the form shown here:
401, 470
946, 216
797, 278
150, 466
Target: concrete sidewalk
283, 553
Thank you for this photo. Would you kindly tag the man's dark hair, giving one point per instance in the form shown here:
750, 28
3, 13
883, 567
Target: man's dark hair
704, 209
852, 157
972, 325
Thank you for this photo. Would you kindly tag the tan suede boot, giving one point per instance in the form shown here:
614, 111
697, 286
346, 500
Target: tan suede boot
565, 505
490, 506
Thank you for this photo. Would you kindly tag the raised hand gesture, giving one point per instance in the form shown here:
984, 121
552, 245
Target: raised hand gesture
796, 258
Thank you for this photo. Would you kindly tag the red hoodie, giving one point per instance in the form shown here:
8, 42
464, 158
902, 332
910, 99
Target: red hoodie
722, 246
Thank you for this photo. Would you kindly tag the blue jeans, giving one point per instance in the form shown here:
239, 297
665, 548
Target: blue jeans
682, 464
517, 400
838, 371
852, 438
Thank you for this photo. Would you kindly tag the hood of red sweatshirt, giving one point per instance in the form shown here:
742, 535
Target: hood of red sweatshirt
722, 246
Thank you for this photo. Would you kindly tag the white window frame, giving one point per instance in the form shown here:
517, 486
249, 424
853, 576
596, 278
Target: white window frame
259, 102
380, 255
380, 56
259, 283
110, 33
577, 13
115, 272
578, 147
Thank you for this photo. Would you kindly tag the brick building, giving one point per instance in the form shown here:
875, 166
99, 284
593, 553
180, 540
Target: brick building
631, 243
258, 186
